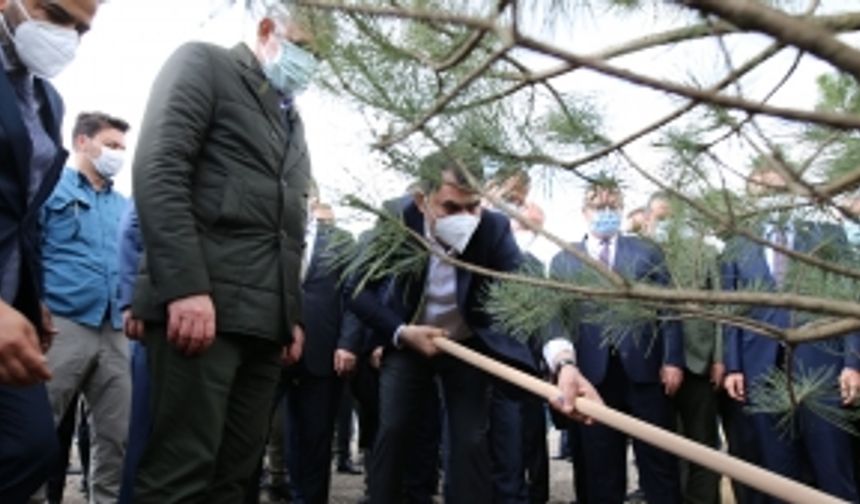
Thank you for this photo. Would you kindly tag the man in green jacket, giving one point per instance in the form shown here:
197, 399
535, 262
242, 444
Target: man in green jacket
220, 182
692, 260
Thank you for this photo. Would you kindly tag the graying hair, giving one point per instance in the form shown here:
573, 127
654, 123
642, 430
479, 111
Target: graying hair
274, 9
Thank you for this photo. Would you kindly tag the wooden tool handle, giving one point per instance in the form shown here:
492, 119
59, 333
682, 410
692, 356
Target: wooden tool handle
719, 462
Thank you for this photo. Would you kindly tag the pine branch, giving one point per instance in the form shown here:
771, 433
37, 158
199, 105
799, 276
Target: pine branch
787, 29
813, 389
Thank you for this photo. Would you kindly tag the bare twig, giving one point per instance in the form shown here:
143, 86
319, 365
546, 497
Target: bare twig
839, 121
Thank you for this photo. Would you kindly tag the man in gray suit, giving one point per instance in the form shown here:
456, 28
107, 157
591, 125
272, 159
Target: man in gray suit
221, 179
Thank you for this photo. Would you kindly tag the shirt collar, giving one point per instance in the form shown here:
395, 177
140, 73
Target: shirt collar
83, 181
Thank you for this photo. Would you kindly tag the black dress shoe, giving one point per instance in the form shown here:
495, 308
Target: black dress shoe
346, 467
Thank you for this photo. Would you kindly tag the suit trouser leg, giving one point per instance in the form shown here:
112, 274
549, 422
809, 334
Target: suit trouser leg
205, 410
313, 404
780, 451
535, 449
466, 392
830, 452
507, 436
65, 433
141, 420
247, 421
658, 469
696, 405
741, 438
421, 476
603, 448
28, 442
404, 379
345, 408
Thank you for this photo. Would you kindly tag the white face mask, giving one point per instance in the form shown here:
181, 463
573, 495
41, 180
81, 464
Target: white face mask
525, 239
43, 47
456, 230
109, 162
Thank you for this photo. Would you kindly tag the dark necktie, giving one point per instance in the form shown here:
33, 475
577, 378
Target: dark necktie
604, 252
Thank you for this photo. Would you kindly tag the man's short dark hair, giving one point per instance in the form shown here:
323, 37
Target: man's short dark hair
659, 196
512, 171
453, 161
91, 123
603, 182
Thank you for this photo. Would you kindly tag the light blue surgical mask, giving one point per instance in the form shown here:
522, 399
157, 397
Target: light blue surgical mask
292, 70
605, 223
852, 231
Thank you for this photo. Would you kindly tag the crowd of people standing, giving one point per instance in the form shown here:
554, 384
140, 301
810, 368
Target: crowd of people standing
223, 273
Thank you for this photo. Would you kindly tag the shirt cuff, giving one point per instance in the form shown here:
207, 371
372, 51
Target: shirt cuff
553, 348
395, 340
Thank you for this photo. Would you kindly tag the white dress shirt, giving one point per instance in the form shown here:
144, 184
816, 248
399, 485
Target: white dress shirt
770, 234
439, 301
310, 242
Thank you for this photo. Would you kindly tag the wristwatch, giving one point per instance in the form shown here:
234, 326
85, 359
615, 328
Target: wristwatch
567, 361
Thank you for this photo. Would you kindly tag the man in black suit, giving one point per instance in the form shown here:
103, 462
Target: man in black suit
314, 386
37, 40
407, 312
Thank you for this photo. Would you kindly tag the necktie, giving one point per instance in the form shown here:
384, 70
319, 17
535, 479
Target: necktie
780, 260
604, 252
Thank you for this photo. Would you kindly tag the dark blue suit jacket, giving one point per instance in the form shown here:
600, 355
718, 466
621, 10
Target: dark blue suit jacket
18, 217
384, 306
327, 326
644, 348
130, 249
743, 266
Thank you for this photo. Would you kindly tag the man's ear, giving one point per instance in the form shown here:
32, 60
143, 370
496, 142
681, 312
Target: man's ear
420, 200
264, 28
79, 141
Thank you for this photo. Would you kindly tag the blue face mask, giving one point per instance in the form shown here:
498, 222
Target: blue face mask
852, 230
292, 70
605, 223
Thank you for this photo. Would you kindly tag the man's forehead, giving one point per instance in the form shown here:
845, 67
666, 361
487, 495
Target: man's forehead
75, 14
604, 195
82, 10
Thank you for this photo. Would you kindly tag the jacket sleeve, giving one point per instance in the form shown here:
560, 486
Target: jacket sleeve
731, 334
670, 329
506, 255
852, 351
178, 113
368, 305
351, 333
130, 249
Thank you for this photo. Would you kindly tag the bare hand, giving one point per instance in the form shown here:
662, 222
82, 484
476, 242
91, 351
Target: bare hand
420, 338
718, 373
671, 377
572, 385
293, 353
21, 359
734, 384
191, 324
131, 326
849, 385
376, 357
344, 362
49, 330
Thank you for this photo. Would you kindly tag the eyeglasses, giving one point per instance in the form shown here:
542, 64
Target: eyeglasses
58, 15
